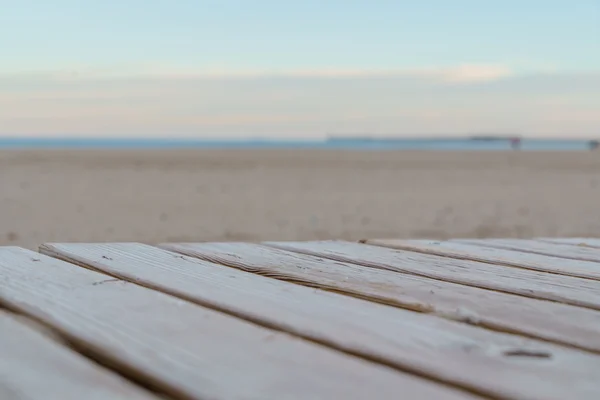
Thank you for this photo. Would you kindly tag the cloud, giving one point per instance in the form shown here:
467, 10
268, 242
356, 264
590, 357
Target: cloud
459, 100
458, 74
475, 73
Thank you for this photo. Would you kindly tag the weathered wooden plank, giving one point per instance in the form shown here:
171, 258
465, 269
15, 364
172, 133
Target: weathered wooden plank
537, 247
583, 242
465, 251
541, 319
464, 355
35, 366
533, 284
188, 351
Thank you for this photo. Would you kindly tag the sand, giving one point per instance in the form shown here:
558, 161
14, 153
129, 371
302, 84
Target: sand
251, 195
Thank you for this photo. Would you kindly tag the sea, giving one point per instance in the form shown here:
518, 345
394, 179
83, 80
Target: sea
442, 144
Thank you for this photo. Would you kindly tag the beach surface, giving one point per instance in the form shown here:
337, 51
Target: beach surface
251, 195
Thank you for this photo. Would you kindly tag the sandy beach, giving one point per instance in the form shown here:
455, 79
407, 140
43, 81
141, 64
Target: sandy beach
251, 195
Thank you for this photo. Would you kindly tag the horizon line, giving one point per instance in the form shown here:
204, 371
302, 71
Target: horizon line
334, 137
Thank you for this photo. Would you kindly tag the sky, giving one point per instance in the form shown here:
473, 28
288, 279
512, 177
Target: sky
294, 69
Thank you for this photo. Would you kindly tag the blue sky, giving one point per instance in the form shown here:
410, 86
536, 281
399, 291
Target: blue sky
301, 68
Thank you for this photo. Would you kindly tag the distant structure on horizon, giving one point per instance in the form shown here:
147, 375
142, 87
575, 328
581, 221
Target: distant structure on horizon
491, 138
370, 138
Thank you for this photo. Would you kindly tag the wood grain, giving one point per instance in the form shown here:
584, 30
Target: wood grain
541, 319
188, 351
34, 366
580, 253
464, 355
582, 242
464, 251
533, 284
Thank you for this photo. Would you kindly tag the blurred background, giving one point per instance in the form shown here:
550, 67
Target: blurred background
269, 120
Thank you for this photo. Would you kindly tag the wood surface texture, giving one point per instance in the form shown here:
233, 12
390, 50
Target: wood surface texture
463, 251
551, 321
480, 360
527, 283
187, 351
461, 319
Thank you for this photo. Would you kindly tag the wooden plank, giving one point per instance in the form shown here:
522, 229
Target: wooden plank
533, 284
580, 253
35, 366
188, 351
556, 322
464, 251
583, 242
464, 355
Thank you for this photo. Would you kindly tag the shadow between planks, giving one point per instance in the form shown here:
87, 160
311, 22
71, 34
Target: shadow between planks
36, 364
551, 321
554, 248
492, 255
580, 242
186, 350
485, 362
501, 278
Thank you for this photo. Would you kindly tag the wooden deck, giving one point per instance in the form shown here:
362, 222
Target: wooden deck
381, 319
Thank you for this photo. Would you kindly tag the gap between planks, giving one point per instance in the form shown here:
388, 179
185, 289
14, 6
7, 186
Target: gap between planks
37, 364
91, 353
580, 242
251, 296
497, 256
576, 327
517, 281
566, 251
